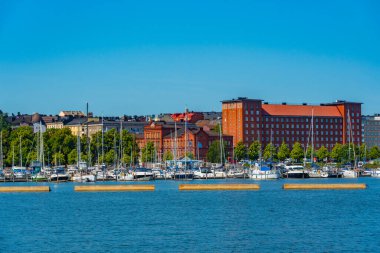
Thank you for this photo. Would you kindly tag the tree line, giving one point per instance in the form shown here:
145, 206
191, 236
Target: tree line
19, 147
340, 153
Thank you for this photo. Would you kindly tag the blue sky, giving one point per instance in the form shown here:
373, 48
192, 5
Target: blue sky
147, 57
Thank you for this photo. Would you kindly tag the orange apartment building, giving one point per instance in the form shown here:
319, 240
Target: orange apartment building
251, 119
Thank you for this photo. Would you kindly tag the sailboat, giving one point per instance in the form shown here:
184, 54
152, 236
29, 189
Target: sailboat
261, 172
219, 171
37, 166
19, 172
349, 172
314, 172
184, 173
2, 176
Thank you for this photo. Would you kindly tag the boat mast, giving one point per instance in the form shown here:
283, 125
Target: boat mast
131, 164
20, 153
312, 137
221, 143
261, 151
13, 155
185, 138
88, 140
349, 136
175, 143
121, 144
351, 140
271, 145
78, 147
102, 140
1, 150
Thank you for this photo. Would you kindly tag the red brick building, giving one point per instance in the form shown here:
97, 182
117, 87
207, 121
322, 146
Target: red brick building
251, 119
163, 135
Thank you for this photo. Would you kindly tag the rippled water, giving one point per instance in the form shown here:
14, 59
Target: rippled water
268, 220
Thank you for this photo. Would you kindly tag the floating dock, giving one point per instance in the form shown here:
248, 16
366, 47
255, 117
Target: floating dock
4, 189
113, 188
219, 187
324, 186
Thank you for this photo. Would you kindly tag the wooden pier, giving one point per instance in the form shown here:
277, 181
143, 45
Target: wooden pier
219, 187
113, 188
324, 186
5, 189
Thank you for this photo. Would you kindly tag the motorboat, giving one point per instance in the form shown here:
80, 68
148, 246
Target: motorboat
203, 173
182, 175
142, 174
20, 172
263, 173
83, 178
40, 177
349, 173
59, 175
236, 173
219, 173
295, 171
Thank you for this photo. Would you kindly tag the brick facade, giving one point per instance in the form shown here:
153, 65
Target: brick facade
162, 134
251, 119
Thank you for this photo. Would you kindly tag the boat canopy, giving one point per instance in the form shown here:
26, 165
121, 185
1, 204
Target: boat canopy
265, 168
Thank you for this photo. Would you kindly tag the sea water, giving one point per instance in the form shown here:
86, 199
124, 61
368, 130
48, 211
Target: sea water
167, 220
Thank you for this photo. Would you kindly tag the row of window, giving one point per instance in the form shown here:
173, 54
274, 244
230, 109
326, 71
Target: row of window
252, 112
301, 119
294, 132
302, 139
293, 126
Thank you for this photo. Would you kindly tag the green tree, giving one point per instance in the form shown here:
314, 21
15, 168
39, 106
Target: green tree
254, 150
270, 152
110, 157
148, 152
213, 153
283, 152
308, 153
59, 159
322, 153
337, 153
374, 152
364, 152
240, 151
168, 156
72, 157
297, 152
4, 124
25, 136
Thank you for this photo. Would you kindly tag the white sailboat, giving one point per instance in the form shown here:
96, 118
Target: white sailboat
2, 176
350, 173
38, 173
260, 172
314, 172
19, 172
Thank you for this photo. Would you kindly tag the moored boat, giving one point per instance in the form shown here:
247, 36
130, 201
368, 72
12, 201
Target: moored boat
59, 175
295, 171
142, 174
263, 173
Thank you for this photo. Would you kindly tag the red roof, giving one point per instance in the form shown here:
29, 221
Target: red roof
301, 110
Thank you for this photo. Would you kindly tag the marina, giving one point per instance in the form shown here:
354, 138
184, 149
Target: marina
240, 221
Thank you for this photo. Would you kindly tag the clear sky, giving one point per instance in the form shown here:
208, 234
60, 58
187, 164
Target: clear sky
147, 57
